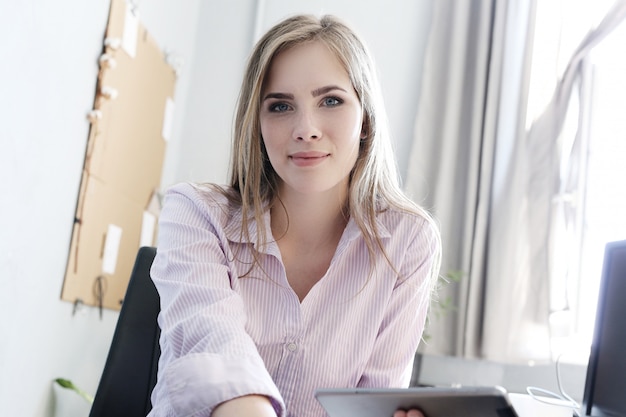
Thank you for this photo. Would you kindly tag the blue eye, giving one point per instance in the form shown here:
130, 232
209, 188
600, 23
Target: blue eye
279, 107
332, 101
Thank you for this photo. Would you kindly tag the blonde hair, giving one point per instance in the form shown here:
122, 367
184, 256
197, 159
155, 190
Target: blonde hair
374, 182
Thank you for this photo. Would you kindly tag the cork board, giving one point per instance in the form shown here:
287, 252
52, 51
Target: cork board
117, 205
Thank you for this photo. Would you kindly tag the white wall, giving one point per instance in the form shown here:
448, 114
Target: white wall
48, 74
224, 39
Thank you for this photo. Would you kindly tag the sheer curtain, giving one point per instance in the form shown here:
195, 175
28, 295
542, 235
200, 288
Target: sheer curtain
469, 120
489, 181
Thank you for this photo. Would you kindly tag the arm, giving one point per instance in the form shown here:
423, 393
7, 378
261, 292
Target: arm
207, 356
390, 363
248, 405
404, 322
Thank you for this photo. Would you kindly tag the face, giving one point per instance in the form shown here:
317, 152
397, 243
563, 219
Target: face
311, 120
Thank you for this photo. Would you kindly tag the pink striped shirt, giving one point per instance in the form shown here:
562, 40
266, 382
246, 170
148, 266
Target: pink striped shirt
224, 335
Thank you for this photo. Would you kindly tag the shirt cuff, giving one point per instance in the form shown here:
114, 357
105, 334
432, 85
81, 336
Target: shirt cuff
197, 383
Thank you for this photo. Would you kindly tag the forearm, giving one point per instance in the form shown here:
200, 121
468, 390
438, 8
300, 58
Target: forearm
248, 405
207, 356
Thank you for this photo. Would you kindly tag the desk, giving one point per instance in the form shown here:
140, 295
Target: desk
527, 406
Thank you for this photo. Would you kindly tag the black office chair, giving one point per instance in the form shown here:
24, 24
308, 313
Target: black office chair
131, 366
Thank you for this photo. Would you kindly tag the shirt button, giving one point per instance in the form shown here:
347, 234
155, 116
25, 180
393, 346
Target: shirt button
292, 347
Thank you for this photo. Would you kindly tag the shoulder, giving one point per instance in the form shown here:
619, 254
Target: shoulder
405, 221
205, 194
201, 200
413, 243
408, 230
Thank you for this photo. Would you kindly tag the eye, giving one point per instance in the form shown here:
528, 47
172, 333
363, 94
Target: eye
279, 107
331, 101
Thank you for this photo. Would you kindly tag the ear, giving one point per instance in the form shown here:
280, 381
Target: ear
364, 130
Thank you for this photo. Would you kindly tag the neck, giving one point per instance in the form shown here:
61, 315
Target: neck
309, 219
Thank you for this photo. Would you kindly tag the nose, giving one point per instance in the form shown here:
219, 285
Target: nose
306, 126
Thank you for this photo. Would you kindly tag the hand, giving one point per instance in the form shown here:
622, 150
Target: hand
248, 405
410, 413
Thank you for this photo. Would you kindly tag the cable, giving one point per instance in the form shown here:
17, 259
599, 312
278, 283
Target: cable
562, 399
558, 382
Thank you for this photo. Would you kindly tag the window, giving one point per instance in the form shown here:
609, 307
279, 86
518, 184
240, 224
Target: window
592, 210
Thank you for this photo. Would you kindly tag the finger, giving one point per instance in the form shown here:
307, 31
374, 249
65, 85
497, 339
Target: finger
414, 413
400, 413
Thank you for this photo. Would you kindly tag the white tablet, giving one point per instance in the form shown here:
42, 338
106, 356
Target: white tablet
433, 402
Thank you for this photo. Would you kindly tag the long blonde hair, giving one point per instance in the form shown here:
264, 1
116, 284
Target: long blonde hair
374, 181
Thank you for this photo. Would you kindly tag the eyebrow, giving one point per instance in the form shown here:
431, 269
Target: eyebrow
326, 89
281, 96
315, 93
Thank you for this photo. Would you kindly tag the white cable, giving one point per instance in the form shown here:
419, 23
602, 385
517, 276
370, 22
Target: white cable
549, 397
558, 381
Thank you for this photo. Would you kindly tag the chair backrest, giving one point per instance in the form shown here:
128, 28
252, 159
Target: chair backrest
130, 370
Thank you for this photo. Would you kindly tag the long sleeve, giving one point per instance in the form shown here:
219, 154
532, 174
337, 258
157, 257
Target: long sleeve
207, 355
231, 327
405, 314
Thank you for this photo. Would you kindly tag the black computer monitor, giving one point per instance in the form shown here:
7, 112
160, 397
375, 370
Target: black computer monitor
605, 386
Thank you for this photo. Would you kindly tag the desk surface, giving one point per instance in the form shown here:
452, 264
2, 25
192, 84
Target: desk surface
527, 406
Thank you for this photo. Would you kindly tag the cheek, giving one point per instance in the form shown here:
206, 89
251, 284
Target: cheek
349, 134
355, 143
268, 135
272, 128
356, 149
265, 131
347, 142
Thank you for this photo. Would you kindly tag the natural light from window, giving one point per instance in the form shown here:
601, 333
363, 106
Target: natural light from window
599, 208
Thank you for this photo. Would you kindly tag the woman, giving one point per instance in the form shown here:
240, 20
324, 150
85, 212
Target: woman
311, 269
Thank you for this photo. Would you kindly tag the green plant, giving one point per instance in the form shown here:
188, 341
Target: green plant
66, 383
441, 306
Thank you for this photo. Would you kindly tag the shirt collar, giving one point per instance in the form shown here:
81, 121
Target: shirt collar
352, 230
233, 229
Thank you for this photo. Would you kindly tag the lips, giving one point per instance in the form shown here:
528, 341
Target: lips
308, 158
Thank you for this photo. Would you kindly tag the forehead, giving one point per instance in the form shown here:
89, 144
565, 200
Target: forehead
309, 64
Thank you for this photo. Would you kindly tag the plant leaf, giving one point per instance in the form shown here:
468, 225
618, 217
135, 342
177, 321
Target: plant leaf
66, 383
